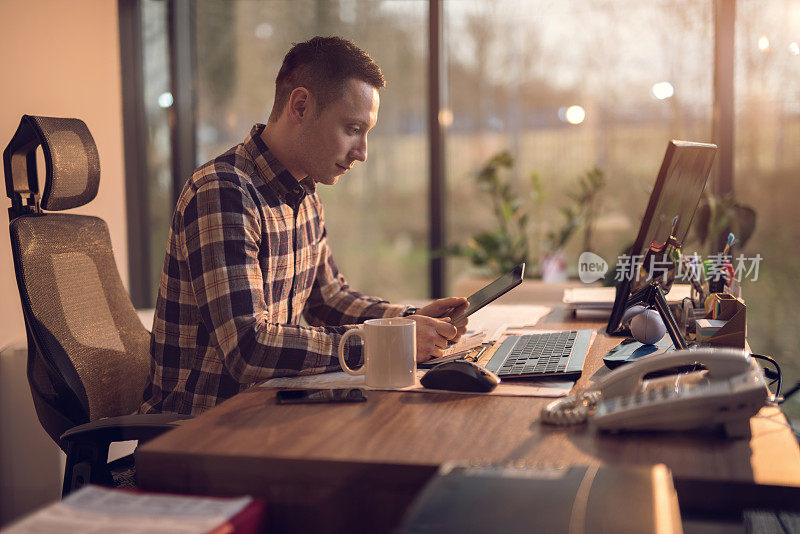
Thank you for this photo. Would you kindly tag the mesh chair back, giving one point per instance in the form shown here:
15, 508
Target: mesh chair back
88, 353
82, 313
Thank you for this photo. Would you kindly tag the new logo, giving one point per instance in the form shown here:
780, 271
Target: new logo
591, 267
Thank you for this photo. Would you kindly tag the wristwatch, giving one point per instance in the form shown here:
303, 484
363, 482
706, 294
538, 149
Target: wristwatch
410, 310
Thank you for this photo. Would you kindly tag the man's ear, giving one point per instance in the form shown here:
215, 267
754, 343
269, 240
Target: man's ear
300, 104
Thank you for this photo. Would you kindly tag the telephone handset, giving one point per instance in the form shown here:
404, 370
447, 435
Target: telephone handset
729, 391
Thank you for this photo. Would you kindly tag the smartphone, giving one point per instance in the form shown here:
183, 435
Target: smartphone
319, 396
496, 289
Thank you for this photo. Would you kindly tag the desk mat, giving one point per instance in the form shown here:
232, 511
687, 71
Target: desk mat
497, 321
539, 388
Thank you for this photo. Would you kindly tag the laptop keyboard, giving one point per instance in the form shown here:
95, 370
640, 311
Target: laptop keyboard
544, 353
547, 354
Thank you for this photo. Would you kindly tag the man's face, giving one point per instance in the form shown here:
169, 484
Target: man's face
336, 138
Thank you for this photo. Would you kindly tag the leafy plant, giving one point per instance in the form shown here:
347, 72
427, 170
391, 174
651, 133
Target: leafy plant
508, 245
583, 212
517, 214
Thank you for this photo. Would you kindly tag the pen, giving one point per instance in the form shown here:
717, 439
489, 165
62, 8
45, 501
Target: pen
729, 244
479, 354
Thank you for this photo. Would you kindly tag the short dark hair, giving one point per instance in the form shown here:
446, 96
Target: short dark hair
323, 65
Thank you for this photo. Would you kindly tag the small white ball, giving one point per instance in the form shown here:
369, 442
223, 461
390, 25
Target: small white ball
632, 312
647, 327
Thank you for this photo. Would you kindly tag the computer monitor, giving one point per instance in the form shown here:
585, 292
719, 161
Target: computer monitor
676, 194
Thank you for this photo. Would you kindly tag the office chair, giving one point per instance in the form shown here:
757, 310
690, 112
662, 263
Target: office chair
88, 353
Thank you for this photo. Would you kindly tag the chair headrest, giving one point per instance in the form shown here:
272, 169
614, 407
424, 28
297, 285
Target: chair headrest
72, 163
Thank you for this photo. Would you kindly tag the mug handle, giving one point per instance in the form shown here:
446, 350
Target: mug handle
353, 332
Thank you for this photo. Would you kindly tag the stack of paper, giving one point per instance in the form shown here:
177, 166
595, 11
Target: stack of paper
99, 509
602, 298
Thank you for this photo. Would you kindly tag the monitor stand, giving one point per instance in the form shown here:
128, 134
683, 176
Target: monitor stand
653, 295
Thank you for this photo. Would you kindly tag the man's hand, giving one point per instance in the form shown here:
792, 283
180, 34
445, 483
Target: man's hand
448, 307
432, 336
434, 327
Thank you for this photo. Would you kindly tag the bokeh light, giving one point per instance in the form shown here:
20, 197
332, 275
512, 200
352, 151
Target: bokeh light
662, 90
264, 31
165, 100
445, 117
575, 114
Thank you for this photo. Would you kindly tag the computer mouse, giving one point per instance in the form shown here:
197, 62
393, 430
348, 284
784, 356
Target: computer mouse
460, 375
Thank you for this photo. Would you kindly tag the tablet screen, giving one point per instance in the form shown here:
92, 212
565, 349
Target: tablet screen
499, 287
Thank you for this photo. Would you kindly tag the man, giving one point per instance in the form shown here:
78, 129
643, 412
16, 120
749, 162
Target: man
248, 255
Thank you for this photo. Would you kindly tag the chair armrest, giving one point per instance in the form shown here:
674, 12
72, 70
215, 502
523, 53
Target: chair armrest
86, 445
140, 427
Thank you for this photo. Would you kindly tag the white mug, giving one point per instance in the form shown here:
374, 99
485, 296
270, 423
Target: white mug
390, 352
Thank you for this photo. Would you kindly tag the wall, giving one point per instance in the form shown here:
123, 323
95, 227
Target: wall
62, 59
59, 59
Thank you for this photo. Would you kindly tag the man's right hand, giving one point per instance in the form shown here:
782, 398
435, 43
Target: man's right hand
432, 336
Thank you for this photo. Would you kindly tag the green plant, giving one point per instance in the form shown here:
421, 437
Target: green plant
508, 245
513, 209
583, 212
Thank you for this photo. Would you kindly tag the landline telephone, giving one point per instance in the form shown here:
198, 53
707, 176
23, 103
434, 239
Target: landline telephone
728, 391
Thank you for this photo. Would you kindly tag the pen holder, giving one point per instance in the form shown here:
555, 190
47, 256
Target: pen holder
732, 310
689, 314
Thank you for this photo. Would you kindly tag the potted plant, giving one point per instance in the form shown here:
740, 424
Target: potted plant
516, 211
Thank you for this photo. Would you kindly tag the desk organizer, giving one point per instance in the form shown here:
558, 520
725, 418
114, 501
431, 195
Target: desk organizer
733, 311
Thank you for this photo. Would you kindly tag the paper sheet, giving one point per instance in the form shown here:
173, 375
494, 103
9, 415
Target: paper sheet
603, 297
529, 388
94, 509
471, 340
468, 341
496, 316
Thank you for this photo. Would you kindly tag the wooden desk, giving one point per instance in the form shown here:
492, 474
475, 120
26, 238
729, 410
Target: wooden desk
356, 467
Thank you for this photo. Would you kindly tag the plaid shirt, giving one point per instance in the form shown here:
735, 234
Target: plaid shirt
247, 256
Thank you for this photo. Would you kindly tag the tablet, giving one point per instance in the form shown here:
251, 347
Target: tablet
498, 288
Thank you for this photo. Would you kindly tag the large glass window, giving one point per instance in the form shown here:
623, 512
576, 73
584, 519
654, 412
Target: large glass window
377, 214
563, 85
158, 100
767, 164
566, 86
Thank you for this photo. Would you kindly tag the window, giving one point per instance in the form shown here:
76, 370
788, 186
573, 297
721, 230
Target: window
767, 164
567, 86
158, 101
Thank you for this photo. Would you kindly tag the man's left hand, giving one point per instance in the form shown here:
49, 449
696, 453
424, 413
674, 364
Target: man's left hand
448, 307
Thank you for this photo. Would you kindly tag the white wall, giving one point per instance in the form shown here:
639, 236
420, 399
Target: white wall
62, 59
59, 58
